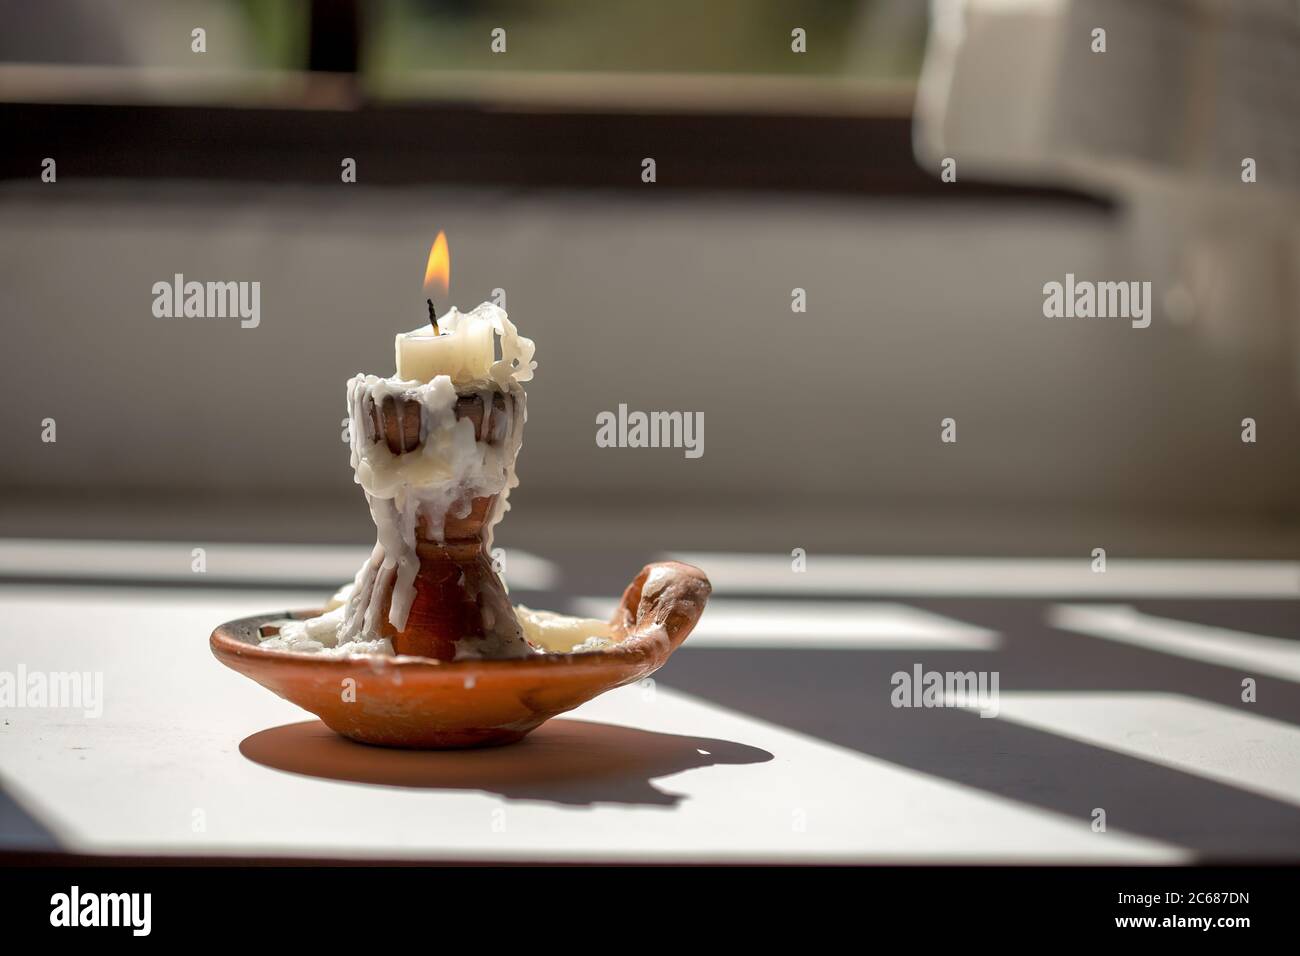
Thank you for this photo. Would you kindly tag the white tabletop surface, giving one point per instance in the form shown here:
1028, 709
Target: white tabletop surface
191, 759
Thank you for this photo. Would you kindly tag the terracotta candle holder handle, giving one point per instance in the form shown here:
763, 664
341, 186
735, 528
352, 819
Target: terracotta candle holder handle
666, 598
458, 596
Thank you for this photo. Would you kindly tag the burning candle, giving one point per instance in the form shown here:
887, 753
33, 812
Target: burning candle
457, 345
436, 487
461, 345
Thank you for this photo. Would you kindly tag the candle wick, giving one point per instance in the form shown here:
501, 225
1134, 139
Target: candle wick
433, 315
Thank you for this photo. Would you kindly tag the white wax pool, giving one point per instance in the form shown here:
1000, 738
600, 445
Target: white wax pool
545, 631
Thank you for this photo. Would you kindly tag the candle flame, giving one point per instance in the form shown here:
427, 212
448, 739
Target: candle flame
437, 274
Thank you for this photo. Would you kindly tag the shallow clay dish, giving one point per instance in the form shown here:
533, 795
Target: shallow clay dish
424, 703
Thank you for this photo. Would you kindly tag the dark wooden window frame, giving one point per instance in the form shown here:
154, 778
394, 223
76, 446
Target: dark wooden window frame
478, 145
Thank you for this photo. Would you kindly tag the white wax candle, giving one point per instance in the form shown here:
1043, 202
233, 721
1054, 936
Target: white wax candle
462, 347
466, 349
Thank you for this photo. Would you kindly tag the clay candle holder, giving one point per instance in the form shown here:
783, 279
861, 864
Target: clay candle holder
458, 595
421, 703
426, 650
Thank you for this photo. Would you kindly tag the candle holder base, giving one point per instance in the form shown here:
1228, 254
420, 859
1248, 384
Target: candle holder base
421, 703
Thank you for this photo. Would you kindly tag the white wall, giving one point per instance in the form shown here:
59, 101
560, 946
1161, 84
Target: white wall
663, 301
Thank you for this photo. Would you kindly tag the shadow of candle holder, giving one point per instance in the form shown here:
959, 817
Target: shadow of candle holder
568, 762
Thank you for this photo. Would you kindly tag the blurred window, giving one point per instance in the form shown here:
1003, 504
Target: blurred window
666, 52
